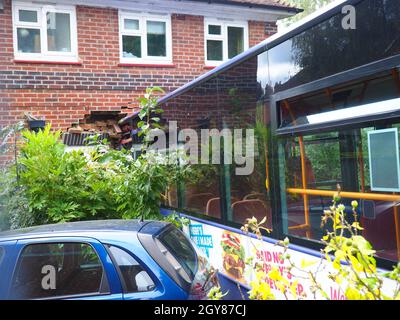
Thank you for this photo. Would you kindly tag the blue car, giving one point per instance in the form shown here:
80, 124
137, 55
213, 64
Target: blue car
111, 259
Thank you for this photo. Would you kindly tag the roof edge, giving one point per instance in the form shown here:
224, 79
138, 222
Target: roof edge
279, 6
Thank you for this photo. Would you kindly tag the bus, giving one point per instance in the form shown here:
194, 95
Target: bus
322, 101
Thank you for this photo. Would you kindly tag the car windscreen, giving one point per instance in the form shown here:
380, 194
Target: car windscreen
181, 248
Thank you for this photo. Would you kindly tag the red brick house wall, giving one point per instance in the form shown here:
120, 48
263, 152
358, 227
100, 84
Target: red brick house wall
63, 93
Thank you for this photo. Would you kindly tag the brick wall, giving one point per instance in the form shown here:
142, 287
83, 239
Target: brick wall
63, 94
259, 31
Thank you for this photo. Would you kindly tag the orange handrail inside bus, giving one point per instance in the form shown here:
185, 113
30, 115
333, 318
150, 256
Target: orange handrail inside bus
356, 195
266, 120
304, 178
299, 227
303, 172
345, 194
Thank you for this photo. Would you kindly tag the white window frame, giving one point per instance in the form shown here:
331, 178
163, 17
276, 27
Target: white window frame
45, 54
142, 32
223, 37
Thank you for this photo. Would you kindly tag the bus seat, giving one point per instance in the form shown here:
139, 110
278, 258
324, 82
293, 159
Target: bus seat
214, 207
198, 201
255, 195
379, 229
241, 210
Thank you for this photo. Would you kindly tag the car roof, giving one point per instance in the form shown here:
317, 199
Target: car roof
89, 228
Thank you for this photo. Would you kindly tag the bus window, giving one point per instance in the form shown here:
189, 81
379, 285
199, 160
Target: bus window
196, 112
245, 113
315, 161
302, 59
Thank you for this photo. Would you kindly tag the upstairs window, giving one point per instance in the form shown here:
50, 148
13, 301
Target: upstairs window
44, 32
145, 39
224, 40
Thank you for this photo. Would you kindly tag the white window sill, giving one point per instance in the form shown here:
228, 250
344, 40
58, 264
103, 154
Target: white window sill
46, 59
141, 64
149, 61
213, 64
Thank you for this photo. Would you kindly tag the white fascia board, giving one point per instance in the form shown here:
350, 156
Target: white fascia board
231, 12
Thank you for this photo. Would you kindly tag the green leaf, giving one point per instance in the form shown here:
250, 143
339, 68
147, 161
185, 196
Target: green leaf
142, 114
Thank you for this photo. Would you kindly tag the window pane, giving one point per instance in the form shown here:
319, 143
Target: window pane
156, 39
197, 110
214, 50
135, 277
213, 29
235, 41
383, 159
344, 104
171, 197
131, 47
131, 24
299, 59
27, 16
348, 156
57, 269
181, 249
244, 109
28, 40
58, 32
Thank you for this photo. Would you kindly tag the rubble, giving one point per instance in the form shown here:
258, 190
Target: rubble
104, 123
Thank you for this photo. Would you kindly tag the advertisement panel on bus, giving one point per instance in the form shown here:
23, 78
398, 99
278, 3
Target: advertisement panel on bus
228, 251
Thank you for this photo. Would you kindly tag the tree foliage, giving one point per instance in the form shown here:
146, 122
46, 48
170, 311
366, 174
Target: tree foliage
308, 6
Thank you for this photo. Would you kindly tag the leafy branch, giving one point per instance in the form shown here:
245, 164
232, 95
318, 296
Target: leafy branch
149, 113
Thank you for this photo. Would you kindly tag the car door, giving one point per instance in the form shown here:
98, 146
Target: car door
64, 268
138, 282
7, 261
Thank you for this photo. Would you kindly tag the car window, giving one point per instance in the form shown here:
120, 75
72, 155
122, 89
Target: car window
181, 249
58, 269
135, 277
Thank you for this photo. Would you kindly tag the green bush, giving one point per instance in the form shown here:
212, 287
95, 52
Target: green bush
56, 185
48, 184
14, 209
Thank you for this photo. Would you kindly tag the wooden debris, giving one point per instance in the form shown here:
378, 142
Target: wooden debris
101, 124
116, 127
77, 129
